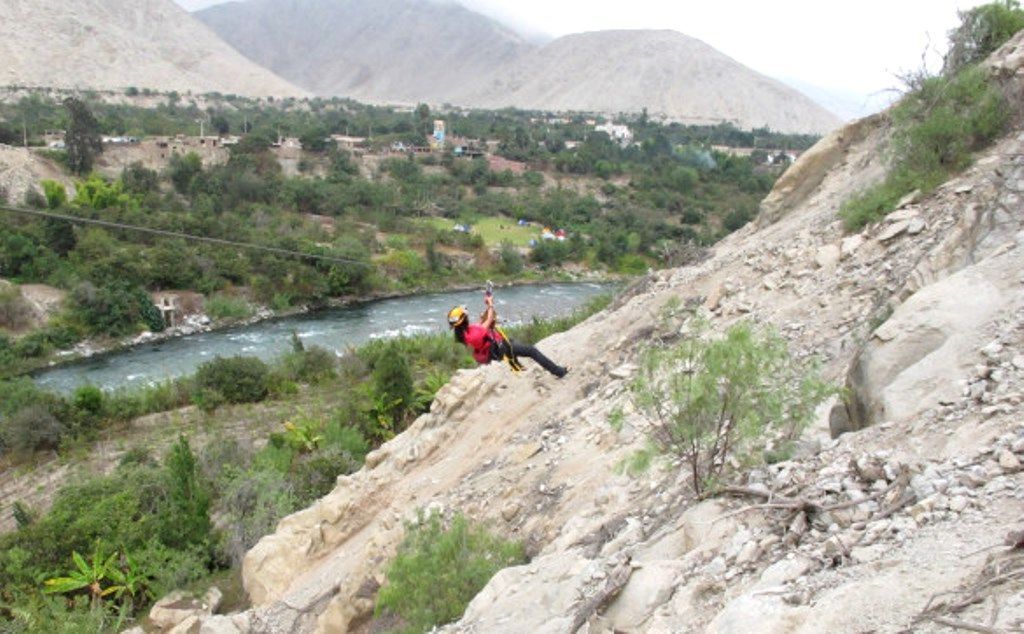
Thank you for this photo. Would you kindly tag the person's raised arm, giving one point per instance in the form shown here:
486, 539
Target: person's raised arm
489, 317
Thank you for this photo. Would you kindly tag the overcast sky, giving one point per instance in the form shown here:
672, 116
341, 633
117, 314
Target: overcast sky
848, 47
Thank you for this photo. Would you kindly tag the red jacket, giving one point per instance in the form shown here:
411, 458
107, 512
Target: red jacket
479, 341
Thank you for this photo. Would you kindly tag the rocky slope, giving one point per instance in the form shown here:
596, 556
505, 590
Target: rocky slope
21, 169
672, 75
115, 44
891, 528
410, 51
405, 51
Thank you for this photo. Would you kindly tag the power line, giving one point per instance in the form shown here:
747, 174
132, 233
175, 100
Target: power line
184, 236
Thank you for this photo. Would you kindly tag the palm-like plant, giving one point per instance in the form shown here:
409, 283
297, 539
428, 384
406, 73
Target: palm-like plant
130, 581
103, 577
382, 409
87, 575
427, 391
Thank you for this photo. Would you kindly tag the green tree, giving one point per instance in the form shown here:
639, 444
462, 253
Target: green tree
182, 170
314, 140
139, 180
708, 395
82, 136
392, 376
423, 119
188, 498
982, 30
56, 194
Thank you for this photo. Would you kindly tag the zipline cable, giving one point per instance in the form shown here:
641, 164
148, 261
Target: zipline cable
175, 234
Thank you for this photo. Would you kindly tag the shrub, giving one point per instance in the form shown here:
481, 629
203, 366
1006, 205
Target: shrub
88, 399
207, 400
938, 125
227, 307
254, 501
936, 128
510, 261
32, 428
439, 569
116, 309
20, 393
87, 408
310, 365
339, 434
708, 396
314, 475
31, 346
134, 509
392, 382
15, 313
237, 379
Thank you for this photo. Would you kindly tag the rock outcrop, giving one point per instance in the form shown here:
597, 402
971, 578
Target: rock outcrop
923, 313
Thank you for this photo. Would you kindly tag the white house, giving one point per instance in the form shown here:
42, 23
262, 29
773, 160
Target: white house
621, 134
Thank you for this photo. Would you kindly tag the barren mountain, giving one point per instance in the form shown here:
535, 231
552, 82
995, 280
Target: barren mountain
408, 51
403, 51
115, 44
908, 520
670, 74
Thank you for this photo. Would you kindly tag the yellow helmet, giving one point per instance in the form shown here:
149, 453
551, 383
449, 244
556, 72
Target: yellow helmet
457, 316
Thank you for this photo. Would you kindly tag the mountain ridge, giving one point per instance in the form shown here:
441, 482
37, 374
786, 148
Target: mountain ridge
341, 48
453, 55
116, 44
686, 80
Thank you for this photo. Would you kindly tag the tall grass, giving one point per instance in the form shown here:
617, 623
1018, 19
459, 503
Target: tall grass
227, 307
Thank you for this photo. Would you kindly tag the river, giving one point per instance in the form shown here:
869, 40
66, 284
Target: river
335, 329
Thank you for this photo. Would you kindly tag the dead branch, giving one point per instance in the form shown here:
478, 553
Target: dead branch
964, 625
618, 577
807, 506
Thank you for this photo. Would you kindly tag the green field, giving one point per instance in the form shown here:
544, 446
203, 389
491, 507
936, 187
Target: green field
494, 230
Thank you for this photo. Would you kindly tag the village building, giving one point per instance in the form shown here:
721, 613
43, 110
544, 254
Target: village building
621, 134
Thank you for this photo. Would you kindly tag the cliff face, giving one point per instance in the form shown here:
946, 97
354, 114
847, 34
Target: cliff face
902, 509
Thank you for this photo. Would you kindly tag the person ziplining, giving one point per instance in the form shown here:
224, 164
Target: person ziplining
488, 343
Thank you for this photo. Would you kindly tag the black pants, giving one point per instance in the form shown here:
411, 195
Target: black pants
530, 352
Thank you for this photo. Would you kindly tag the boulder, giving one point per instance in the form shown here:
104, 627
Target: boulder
175, 609
931, 341
827, 257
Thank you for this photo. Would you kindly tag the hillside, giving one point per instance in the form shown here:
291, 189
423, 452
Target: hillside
116, 44
410, 51
404, 51
860, 533
672, 75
